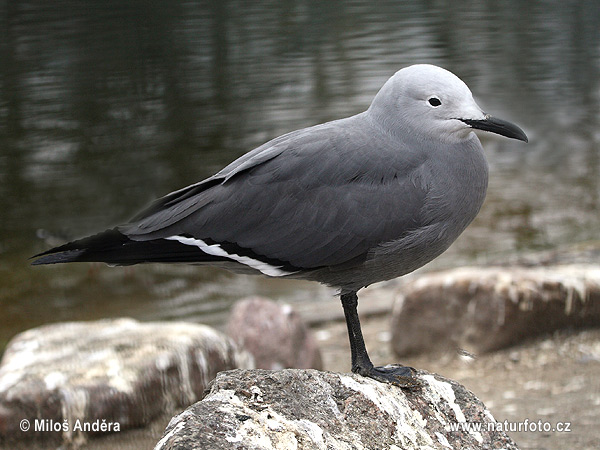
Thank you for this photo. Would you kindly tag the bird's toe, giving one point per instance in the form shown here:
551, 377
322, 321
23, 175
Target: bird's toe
396, 374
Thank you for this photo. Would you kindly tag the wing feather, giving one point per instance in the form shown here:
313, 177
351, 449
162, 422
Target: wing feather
317, 197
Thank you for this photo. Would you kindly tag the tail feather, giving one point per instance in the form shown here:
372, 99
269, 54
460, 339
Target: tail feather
113, 247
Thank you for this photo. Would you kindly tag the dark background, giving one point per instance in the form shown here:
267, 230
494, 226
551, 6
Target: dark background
106, 105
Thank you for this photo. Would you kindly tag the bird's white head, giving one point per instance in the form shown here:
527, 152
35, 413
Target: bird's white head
435, 104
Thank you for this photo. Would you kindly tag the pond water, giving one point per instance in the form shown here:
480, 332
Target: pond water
107, 105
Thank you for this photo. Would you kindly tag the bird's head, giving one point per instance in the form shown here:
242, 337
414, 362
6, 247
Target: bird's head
437, 105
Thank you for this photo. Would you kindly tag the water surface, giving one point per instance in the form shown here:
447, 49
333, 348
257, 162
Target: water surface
106, 105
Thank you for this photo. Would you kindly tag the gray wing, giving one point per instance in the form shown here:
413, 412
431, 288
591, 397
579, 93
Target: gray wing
321, 196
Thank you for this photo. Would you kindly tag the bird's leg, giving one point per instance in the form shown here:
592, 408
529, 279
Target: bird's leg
361, 363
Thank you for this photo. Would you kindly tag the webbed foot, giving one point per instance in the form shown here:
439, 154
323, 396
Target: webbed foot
396, 374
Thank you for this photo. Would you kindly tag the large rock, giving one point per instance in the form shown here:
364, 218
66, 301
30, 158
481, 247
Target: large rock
484, 309
275, 335
116, 371
308, 410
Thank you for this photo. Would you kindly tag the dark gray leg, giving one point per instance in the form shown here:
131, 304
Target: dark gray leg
361, 363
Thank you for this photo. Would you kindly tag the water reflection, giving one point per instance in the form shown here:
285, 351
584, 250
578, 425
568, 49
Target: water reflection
105, 105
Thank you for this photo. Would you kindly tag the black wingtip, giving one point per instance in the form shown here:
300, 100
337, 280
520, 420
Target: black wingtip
114, 248
56, 258
76, 250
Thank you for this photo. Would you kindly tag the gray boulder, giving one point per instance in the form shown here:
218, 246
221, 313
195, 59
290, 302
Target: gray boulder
484, 309
275, 335
307, 409
119, 372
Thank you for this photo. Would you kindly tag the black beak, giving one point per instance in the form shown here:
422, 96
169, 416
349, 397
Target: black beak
498, 126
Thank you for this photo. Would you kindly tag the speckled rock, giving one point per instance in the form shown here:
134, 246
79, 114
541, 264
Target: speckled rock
484, 309
117, 371
275, 334
307, 410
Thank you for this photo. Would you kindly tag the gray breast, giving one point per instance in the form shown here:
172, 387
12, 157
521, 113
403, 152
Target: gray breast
455, 180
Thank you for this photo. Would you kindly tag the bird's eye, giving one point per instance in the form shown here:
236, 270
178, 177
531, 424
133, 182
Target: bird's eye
434, 101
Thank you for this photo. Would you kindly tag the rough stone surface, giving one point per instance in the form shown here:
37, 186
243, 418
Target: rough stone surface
275, 334
307, 409
117, 370
484, 309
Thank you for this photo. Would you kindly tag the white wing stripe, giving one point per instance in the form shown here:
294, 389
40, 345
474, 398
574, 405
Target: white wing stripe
216, 250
